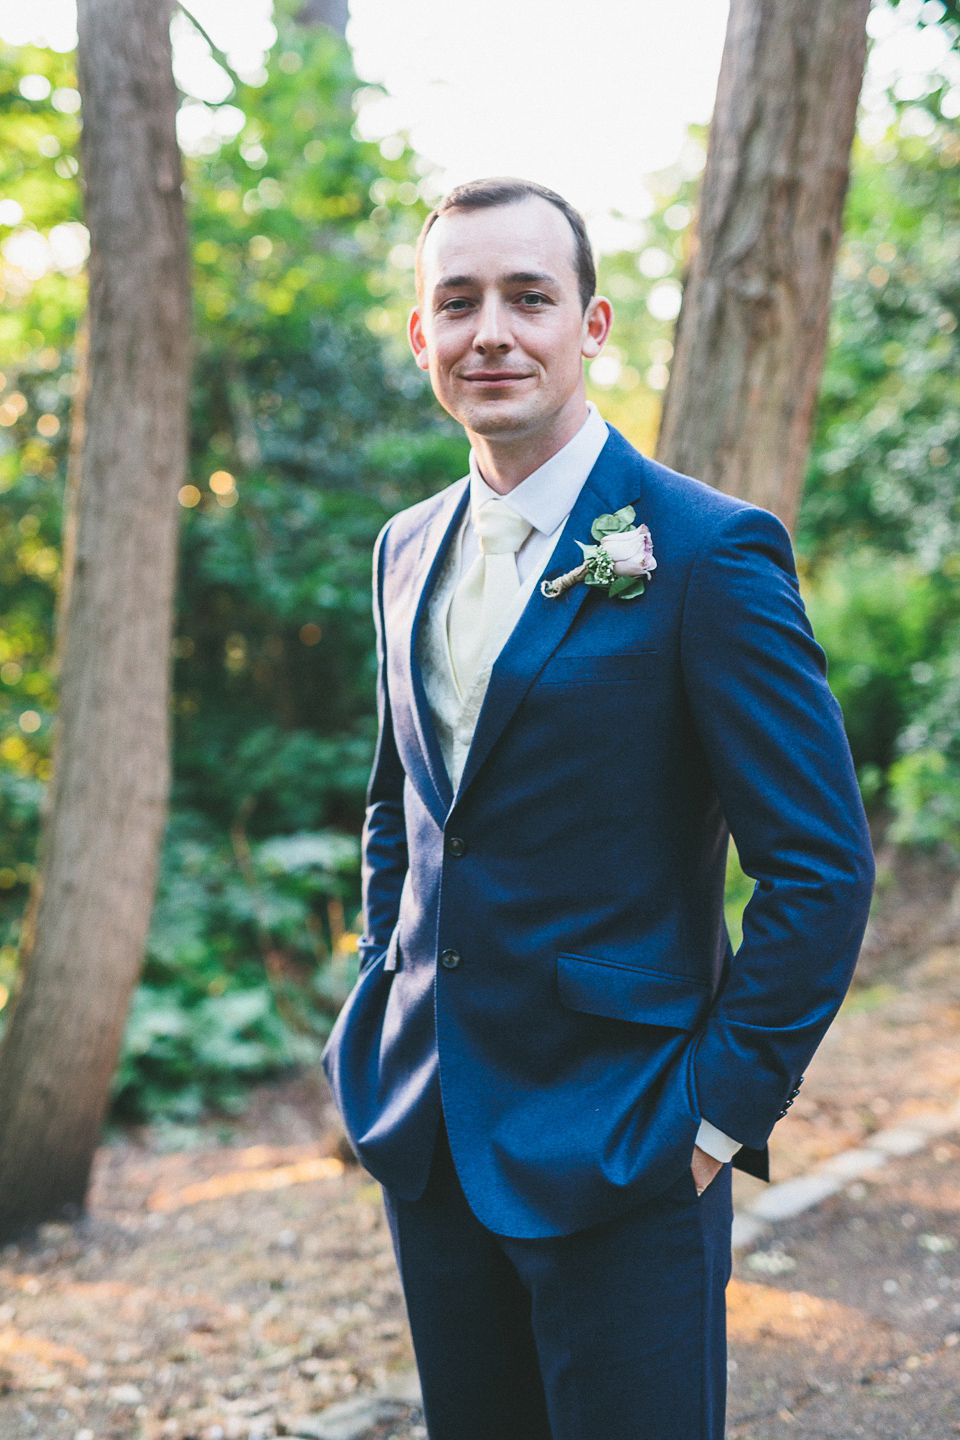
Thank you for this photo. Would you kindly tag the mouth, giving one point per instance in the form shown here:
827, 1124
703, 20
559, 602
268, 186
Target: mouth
495, 379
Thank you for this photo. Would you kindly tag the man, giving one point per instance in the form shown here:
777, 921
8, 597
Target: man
551, 1053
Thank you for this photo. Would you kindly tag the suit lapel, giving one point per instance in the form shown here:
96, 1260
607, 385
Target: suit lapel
430, 776
616, 480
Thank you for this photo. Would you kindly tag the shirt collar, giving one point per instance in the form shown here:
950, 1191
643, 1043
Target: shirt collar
546, 497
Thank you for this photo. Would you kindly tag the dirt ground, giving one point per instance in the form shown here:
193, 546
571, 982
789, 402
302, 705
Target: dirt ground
859, 1332
237, 1280
893, 1051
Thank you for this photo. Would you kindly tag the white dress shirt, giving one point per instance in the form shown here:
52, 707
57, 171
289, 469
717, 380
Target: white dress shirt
544, 499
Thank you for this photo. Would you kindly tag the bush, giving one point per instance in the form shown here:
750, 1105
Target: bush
885, 625
892, 635
925, 781
247, 964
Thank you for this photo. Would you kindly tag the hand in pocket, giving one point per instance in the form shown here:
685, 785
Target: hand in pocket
704, 1169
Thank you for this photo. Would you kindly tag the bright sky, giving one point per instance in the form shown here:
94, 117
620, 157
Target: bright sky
587, 98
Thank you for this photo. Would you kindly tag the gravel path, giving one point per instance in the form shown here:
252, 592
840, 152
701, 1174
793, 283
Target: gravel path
848, 1322
240, 1287
231, 1318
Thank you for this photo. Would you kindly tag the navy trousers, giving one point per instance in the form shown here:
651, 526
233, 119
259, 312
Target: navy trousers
613, 1333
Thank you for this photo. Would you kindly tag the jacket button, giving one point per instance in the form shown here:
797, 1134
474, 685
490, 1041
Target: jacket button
456, 846
450, 959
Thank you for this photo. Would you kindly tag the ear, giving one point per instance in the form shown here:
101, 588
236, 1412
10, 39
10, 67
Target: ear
597, 321
418, 343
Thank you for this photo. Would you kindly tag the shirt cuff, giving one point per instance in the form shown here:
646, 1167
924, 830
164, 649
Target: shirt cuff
715, 1144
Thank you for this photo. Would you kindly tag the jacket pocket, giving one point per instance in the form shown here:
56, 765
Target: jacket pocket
597, 669
622, 992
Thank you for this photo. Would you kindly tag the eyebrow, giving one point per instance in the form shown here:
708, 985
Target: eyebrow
519, 277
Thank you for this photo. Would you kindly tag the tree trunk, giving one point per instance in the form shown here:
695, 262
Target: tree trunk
111, 764
334, 13
753, 324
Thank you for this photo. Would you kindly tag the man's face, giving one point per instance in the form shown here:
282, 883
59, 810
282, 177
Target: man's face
499, 325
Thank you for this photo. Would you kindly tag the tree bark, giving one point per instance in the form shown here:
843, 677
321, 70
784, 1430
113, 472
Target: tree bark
111, 764
753, 323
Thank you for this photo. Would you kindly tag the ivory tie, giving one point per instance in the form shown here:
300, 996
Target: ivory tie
487, 588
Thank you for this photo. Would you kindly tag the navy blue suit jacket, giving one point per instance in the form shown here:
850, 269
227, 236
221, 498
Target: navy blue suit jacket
590, 1005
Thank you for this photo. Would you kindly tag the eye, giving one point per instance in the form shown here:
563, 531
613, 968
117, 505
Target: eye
533, 300
457, 305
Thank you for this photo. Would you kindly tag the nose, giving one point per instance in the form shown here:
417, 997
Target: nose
492, 334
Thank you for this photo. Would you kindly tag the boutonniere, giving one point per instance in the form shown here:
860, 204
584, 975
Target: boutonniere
621, 562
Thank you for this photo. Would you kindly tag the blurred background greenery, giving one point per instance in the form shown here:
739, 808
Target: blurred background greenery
310, 428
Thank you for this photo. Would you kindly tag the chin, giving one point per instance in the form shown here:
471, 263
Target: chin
500, 419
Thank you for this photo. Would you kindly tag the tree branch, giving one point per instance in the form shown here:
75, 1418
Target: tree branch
217, 53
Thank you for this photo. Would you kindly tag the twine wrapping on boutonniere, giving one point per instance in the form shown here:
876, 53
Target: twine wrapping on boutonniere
621, 562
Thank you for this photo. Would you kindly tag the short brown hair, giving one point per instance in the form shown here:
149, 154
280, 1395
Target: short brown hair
485, 194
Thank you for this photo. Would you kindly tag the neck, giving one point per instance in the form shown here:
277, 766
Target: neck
506, 460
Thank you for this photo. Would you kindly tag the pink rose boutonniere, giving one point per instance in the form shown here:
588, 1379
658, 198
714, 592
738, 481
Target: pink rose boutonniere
621, 562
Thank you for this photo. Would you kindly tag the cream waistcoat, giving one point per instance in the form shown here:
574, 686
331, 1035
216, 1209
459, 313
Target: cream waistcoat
454, 715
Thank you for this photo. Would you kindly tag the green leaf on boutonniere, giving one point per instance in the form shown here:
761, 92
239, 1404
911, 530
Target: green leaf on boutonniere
588, 550
620, 585
613, 524
628, 587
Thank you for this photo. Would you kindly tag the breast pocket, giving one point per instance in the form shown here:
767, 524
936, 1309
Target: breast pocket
618, 668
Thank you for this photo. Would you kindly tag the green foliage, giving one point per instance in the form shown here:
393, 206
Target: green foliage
246, 966
880, 522
887, 441
739, 888
940, 12
43, 292
644, 284
925, 795
309, 429
892, 633
315, 436
887, 627
925, 781
300, 403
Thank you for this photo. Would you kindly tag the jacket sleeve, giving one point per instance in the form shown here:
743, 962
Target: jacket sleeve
778, 754
384, 832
